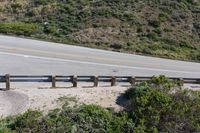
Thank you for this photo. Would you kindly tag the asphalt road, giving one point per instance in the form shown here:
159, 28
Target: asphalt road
31, 57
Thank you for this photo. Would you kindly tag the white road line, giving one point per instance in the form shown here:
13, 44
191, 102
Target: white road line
95, 63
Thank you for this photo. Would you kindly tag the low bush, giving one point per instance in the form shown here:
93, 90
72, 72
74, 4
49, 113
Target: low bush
18, 28
154, 23
86, 118
162, 106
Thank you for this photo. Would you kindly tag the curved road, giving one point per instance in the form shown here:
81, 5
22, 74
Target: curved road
26, 56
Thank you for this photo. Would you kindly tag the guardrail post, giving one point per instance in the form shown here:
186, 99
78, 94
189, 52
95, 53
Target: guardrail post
132, 81
7, 79
96, 81
74, 81
113, 81
181, 82
53, 80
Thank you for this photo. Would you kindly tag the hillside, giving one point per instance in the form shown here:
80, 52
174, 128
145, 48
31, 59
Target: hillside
164, 28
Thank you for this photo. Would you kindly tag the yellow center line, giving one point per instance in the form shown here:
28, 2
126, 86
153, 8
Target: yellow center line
36, 51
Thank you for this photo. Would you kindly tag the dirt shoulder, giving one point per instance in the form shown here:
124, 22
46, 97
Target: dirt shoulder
12, 102
17, 101
44, 99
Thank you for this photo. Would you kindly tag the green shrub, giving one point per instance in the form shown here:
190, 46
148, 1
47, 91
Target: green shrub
156, 106
116, 46
86, 118
93, 118
154, 23
22, 123
152, 36
16, 7
18, 28
162, 17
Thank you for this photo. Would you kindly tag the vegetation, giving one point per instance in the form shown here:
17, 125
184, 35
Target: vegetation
160, 105
18, 28
164, 28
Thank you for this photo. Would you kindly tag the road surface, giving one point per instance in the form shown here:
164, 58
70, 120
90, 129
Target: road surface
31, 57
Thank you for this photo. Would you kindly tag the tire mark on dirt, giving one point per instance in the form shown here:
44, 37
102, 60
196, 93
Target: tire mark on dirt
12, 102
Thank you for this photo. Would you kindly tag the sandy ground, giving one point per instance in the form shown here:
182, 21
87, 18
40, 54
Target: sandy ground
5, 105
44, 98
17, 100
12, 102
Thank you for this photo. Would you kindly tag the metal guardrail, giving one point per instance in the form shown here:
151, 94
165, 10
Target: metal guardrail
7, 79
